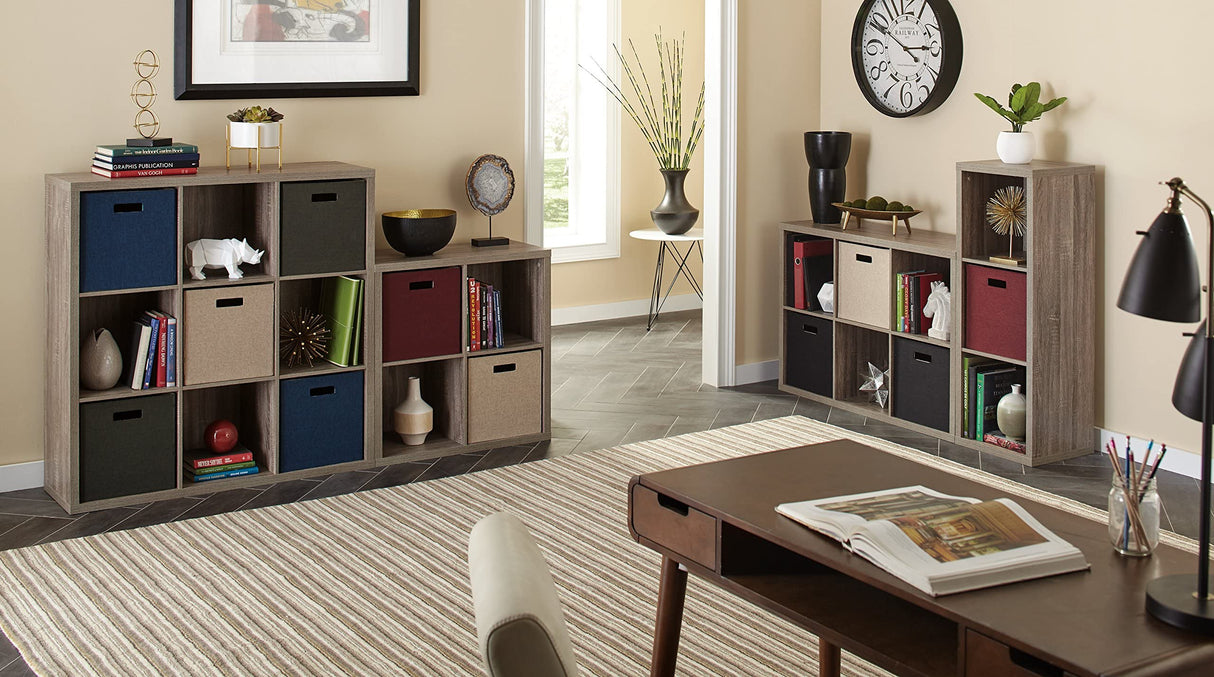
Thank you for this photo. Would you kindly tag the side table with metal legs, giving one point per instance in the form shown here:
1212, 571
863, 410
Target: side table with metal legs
694, 239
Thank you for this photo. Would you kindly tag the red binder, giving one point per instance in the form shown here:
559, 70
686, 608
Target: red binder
798, 273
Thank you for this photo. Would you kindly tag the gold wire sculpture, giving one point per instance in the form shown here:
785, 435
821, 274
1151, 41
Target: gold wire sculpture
143, 93
1006, 212
303, 337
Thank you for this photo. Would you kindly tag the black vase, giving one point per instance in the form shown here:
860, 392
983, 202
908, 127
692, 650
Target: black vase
827, 154
675, 215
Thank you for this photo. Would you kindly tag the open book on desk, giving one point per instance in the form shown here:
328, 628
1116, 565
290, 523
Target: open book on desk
938, 543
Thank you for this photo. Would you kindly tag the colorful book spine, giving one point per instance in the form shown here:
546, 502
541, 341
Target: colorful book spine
198, 462
123, 150
497, 316
1000, 440
135, 173
474, 329
339, 303
145, 165
137, 359
162, 351
898, 281
133, 161
221, 468
171, 368
149, 370
798, 273
912, 310
222, 474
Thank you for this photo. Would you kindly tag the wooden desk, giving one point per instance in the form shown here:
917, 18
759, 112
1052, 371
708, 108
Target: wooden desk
718, 521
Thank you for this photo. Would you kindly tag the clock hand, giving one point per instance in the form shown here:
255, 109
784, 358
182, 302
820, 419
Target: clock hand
903, 46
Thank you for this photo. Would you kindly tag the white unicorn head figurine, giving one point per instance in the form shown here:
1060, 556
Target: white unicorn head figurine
938, 307
229, 254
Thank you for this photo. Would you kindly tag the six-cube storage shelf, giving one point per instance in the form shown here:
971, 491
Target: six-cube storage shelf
116, 249
1039, 316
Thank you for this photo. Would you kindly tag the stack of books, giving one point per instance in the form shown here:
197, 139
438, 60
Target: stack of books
341, 302
122, 162
203, 466
152, 359
911, 290
986, 381
484, 316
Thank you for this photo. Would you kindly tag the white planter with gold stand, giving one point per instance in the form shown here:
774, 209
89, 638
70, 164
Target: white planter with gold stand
254, 136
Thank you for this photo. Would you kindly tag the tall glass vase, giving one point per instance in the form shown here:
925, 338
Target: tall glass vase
827, 153
675, 215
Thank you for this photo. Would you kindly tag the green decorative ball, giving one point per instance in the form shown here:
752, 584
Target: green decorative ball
894, 206
858, 203
907, 208
876, 203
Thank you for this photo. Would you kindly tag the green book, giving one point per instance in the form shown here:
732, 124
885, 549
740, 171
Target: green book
356, 339
339, 301
220, 468
124, 151
992, 385
899, 280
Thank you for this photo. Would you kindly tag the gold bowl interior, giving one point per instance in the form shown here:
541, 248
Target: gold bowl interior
420, 213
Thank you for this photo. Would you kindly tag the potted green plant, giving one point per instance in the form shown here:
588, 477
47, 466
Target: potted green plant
254, 127
661, 123
1018, 146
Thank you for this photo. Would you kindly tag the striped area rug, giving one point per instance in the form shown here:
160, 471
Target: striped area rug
375, 583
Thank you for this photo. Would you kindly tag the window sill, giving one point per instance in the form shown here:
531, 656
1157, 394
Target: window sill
585, 252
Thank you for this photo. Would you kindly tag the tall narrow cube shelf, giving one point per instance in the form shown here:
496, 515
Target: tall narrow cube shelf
116, 249
1038, 316
482, 398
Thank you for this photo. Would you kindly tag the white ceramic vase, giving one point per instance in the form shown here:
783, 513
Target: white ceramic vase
413, 419
1016, 148
245, 134
100, 360
1010, 414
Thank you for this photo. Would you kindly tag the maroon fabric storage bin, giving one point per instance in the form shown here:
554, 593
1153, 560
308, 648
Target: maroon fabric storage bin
422, 315
995, 311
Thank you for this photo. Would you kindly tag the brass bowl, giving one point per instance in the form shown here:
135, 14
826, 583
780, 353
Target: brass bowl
419, 232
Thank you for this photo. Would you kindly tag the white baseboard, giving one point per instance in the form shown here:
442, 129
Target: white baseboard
1177, 460
20, 476
612, 311
757, 372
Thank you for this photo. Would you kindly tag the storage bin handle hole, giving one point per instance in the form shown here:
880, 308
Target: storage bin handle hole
126, 207
129, 415
229, 303
672, 505
995, 282
1033, 665
421, 284
502, 368
324, 197
864, 258
809, 329
322, 391
923, 357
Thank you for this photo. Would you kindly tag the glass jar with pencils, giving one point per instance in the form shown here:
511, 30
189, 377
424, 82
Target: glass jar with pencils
1133, 515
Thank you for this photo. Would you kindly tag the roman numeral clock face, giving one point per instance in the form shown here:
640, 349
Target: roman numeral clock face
906, 54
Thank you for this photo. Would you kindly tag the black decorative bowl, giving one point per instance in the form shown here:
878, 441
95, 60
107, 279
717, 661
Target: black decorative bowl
419, 232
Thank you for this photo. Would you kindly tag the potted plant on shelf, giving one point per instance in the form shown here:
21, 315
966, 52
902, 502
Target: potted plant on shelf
661, 124
254, 127
1017, 146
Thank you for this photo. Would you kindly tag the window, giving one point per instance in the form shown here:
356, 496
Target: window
573, 130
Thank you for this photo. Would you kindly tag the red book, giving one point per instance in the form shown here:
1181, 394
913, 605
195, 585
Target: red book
162, 352
474, 325
196, 460
129, 173
924, 282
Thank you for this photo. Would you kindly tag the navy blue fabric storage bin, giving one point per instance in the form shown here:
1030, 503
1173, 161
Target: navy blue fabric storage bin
320, 421
128, 239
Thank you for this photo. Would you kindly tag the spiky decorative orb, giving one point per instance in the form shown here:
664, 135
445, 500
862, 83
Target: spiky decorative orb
303, 337
1006, 211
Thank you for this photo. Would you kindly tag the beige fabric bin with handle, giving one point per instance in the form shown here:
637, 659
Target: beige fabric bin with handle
228, 333
505, 395
863, 291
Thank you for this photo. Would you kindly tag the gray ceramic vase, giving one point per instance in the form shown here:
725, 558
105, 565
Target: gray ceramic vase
100, 360
675, 215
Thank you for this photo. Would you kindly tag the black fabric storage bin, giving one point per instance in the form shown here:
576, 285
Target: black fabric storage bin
320, 421
323, 227
808, 351
128, 446
128, 239
919, 386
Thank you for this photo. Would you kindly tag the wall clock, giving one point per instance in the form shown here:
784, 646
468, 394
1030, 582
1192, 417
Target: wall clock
906, 54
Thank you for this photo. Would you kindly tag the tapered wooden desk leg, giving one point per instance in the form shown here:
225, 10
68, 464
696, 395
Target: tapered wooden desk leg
828, 659
671, 591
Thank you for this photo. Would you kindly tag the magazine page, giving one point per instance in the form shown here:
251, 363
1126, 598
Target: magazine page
841, 516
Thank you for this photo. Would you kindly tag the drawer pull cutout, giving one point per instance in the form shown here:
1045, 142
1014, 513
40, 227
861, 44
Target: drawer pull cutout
124, 207
229, 303
864, 258
809, 329
421, 284
324, 197
1033, 664
923, 357
673, 505
322, 391
995, 282
129, 415
501, 368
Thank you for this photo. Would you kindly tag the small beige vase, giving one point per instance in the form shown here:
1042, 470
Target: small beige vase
100, 360
1010, 414
413, 419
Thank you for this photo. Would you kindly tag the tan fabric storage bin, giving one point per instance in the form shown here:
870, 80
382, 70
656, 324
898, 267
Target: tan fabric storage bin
228, 333
863, 289
505, 396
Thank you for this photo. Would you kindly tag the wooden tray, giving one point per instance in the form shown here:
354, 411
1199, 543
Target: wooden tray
893, 217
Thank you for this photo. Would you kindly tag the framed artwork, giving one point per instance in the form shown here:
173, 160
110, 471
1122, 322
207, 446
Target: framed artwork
226, 49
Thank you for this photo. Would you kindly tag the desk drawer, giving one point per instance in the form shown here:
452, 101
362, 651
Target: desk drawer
675, 526
985, 657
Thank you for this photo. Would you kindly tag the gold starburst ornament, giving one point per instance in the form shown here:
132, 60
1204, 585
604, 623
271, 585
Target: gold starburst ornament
1007, 214
303, 338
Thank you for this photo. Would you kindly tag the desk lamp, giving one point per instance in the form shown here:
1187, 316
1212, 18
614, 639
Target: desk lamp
1164, 283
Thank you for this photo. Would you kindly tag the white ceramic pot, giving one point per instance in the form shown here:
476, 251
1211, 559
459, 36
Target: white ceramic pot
413, 419
1016, 148
245, 134
1010, 414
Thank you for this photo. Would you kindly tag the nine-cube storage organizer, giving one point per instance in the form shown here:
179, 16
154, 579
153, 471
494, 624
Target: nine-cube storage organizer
116, 249
1038, 316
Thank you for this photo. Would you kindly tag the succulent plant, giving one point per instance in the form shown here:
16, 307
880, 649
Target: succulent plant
255, 114
1023, 104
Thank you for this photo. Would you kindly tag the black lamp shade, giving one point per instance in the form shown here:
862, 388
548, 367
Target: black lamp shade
1163, 281
1186, 394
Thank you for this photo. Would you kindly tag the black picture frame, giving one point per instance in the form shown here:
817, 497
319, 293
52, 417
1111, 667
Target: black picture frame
185, 88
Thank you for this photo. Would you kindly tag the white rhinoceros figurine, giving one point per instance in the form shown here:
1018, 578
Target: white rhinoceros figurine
229, 254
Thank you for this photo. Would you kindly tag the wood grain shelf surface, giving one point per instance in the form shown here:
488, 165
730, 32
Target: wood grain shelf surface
217, 277
993, 356
129, 290
994, 264
120, 392
877, 234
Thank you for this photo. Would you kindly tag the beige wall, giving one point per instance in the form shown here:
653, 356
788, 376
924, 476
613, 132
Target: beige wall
65, 90
1138, 110
630, 276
